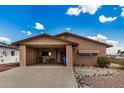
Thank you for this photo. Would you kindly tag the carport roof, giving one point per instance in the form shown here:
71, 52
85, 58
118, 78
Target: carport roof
17, 43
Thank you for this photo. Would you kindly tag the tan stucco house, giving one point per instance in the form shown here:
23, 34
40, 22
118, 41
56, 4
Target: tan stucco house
65, 48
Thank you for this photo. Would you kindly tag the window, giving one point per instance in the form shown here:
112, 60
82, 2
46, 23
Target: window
4, 53
88, 54
12, 53
44, 53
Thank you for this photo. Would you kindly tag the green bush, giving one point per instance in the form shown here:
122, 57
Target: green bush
121, 61
103, 61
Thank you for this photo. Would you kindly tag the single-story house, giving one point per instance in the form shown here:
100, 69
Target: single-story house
66, 48
8, 54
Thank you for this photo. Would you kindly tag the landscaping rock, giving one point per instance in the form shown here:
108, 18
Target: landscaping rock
82, 72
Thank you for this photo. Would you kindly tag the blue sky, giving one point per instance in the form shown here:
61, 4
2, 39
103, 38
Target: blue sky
105, 23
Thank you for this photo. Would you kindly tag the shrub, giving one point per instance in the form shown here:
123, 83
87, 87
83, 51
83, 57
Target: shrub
121, 61
103, 61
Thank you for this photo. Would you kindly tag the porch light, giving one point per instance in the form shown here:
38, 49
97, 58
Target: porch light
49, 53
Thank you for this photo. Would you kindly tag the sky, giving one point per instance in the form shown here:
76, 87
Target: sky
104, 23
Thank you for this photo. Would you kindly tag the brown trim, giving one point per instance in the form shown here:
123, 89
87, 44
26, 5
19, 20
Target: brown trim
46, 44
49, 45
72, 34
44, 35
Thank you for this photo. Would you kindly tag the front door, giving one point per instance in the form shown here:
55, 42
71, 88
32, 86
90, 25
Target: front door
62, 55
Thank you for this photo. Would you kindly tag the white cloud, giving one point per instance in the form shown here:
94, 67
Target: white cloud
121, 5
73, 11
104, 19
23, 31
39, 26
27, 32
112, 42
122, 13
68, 28
5, 40
83, 9
99, 37
90, 9
104, 39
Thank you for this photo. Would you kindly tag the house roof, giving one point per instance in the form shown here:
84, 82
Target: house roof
44, 35
8, 46
72, 34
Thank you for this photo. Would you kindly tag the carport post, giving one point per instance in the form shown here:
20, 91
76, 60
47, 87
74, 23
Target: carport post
22, 55
69, 55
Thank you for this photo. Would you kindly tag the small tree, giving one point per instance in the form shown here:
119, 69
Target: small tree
103, 61
119, 51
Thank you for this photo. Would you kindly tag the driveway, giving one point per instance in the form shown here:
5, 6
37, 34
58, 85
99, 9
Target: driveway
38, 77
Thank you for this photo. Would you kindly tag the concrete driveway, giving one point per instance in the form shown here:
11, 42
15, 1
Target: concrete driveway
38, 77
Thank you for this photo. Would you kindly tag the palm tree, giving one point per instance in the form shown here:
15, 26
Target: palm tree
120, 52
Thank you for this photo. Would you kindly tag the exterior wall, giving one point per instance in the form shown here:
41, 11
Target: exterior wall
6, 57
86, 60
23, 55
31, 56
86, 45
69, 55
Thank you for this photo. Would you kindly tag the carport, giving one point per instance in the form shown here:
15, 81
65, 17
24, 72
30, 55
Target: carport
46, 49
45, 54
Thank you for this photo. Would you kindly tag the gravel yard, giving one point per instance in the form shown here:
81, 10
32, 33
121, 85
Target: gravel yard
94, 77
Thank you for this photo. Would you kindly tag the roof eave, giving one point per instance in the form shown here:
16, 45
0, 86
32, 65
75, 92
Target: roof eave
108, 45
